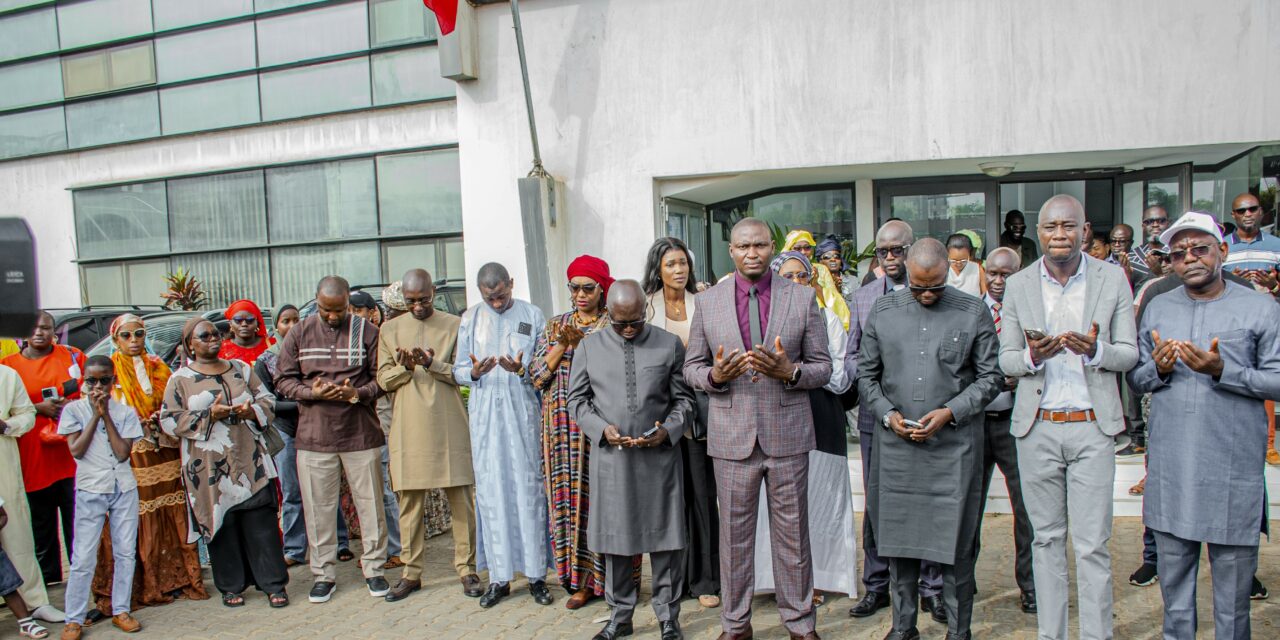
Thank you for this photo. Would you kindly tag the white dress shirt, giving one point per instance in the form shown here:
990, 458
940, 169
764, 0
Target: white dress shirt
98, 470
1004, 401
1064, 384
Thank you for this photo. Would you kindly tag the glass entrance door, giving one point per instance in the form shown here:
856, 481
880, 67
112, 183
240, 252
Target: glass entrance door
938, 210
1169, 187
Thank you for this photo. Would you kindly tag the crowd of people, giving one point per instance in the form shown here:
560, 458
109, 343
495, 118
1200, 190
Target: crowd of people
704, 425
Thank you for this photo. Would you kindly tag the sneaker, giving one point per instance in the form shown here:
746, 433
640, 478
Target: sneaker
1258, 591
321, 592
378, 586
1132, 450
1145, 576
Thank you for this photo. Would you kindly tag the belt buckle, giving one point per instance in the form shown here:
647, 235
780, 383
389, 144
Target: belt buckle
1059, 417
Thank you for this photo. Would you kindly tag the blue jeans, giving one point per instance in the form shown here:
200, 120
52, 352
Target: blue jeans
390, 505
292, 521
91, 515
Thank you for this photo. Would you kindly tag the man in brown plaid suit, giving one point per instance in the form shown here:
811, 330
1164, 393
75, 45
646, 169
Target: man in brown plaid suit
756, 346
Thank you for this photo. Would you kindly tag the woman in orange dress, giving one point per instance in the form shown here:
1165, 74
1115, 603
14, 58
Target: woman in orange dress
166, 567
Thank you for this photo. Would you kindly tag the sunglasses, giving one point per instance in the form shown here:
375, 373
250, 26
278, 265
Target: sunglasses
1247, 209
629, 324
830, 255
208, 336
136, 333
575, 288
802, 247
99, 382
898, 252
796, 275
1121, 240
245, 321
935, 288
1154, 221
1198, 251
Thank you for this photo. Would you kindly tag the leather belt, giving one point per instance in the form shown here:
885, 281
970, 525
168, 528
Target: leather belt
1061, 417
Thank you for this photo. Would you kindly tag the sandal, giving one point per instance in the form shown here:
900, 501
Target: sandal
278, 600
345, 555
29, 628
232, 600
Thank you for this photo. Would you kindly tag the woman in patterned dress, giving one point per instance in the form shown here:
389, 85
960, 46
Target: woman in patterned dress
167, 566
564, 450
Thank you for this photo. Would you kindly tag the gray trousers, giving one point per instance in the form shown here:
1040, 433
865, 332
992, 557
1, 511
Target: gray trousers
957, 592
1178, 562
1068, 476
622, 593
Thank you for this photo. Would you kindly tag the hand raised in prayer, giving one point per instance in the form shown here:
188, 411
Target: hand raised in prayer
1267, 279
568, 335
218, 411
244, 411
322, 389
424, 357
1206, 362
615, 437
654, 440
100, 398
772, 362
1165, 354
345, 392
1081, 344
728, 368
1045, 348
406, 358
481, 367
512, 365
932, 421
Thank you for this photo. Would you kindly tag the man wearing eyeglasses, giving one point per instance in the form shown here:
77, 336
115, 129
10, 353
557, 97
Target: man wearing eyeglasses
628, 395
1208, 350
892, 243
927, 371
1254, 255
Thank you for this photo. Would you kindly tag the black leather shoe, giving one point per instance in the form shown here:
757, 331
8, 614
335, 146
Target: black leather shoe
540, 593
1028, 602
869, 604
402, 590
613, 630
495, 594
670, 630
937, 610
909, 634
959, 636
471, 586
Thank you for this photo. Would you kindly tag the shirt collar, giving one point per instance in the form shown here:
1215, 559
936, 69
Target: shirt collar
1044, 271
991, 302
744, 284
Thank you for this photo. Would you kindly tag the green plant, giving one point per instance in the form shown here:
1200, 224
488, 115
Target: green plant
853, 257
779, 235
184, 291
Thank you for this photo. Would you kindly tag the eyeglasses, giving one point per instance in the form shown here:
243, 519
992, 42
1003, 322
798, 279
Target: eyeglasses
628, 324
1154, 221
796, 275
208, 336
962, 261
419, 302
1247, 209
1019, 226
574, 288
830, 255
898, 252
244, 321
802, 247
99, 382
1121, 240
1197, 251
920, 289
136, 333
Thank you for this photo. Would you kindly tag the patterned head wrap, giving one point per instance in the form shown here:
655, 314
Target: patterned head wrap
585, 266
393, 296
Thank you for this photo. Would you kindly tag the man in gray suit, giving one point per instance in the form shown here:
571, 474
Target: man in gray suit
1067, 330
756, 346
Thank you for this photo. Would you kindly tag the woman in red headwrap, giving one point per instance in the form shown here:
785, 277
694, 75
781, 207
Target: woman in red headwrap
248, 333
564, 450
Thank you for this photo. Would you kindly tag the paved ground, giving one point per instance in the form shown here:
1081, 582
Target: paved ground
441, 612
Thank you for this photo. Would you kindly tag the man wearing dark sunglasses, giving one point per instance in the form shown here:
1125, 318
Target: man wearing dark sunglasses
628, 395
1147, 260
1209, 357
1254, 254
1015, 237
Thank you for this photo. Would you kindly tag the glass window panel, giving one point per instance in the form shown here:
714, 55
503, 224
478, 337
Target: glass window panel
321, 88
108, 120
104, 284
408, 75
171, 14
942, 214
326, 201
109, 69
85, 23
455, 267
399, 257
31, 132
272, 5
31, 83
313, 34
126, 220
222, 211
400, 21
132, 66
419, 192
145, 281
296, 270
210, 105
199, 54
86, 74
6, 5
230, 275
28, 34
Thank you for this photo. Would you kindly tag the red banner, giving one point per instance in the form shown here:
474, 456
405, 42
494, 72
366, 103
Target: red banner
446, 14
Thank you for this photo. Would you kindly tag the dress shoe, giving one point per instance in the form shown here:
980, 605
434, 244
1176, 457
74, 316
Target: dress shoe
126, 623
71, 632
471, 586
909, 634
1028, 602
541, 594
580, 599
709, 601
670, 630
745, 634
959, 636
495, 594
812, 635
613, 630
402, 590
869, 604
937, 610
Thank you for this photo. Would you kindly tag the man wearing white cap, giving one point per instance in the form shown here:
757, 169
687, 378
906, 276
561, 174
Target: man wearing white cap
1209, 354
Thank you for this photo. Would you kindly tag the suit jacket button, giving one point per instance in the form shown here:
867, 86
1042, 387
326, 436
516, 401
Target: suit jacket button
1037, 392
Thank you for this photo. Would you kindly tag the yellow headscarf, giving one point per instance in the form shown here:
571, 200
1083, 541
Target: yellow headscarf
830, 298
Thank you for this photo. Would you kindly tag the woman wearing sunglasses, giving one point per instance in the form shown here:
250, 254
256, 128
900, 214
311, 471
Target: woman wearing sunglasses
831, 532
218, 409
248, 333
166, 564
564, 450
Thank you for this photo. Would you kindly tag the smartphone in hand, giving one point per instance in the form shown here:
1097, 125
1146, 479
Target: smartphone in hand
1035, 334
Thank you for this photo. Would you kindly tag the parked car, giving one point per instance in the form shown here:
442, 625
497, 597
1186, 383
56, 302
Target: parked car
81, 328
451, 297
164, 331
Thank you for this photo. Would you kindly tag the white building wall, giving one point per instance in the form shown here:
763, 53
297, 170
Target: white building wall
38, 188
627, 91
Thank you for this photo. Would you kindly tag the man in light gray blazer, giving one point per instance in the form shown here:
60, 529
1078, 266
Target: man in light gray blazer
1068, 329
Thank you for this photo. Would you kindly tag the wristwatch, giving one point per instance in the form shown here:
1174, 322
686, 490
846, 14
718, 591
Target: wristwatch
355, 399
795, 376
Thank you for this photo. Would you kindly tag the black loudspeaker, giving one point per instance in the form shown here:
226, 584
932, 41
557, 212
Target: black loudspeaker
18, 304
